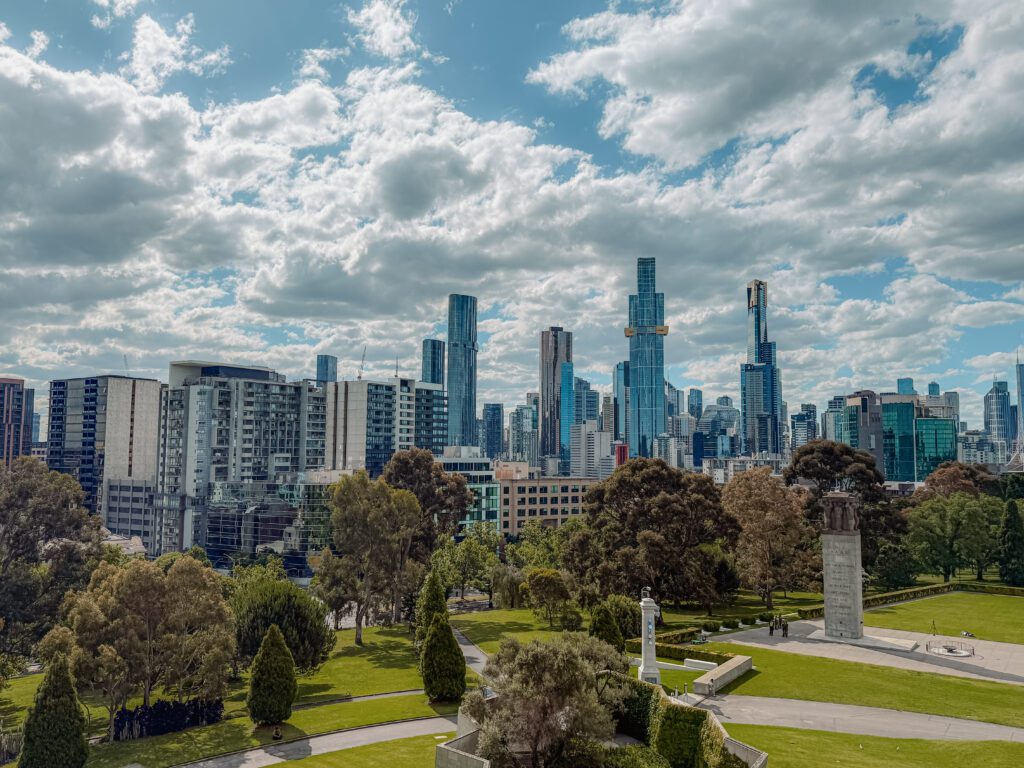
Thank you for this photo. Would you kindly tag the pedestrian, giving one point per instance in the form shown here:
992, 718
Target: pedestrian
771, 629
711, 687
785, 628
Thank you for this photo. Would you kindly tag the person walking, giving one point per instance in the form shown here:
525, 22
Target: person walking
771, 628
785, 628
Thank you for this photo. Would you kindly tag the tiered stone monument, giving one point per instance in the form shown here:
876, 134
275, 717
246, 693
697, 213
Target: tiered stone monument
649, 671
840, 555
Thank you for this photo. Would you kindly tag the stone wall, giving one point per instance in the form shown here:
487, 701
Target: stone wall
460, 752
722, 675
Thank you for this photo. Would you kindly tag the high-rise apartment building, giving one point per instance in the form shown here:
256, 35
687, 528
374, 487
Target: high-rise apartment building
522, 435
555, 349
587, 401
494, 423
861, 425
608, 415
646, 333
760, 381
462, 351
433, 361
566, 416
804, 425
831, 418
620, 397
326, 370
905, 386
1015, 462
17, 417
591, 450
695, 402
997, 413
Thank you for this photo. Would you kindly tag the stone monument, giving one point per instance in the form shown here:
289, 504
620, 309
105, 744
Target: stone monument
840, 555
649, 671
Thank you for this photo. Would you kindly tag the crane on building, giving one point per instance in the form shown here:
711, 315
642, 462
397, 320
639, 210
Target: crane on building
359, 376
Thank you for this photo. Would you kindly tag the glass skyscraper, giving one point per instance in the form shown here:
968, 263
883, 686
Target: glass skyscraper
567, 415
462, 349
899, 463
646, 333
555, 349
620, 398
695, 402
760, 382
905, 387
326, 369
935, 443
494, 427
997, 412
433, 361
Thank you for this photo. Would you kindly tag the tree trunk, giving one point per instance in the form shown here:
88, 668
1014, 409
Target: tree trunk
946, 573
359, 624
768, 600
981, 571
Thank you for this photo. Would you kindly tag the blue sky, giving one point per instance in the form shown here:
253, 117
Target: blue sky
263, 181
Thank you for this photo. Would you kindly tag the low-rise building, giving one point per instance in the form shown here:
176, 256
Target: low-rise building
550, 500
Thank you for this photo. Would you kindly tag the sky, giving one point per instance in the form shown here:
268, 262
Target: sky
258, 182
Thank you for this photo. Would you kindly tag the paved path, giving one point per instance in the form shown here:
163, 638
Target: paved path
476, 659
998, 662
846, 718
272, 754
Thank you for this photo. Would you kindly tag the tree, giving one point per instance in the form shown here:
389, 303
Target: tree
828, 466
48, 545
197, 553
627, 614
642, 526
992, 510
262, 602
540, 546
547, 591
553, 701
430, 603
333, 584
441, 662
1011, 546
895, 567
469, 563
373, 526
506, 582
772, 527
443, 497
272, 685
947, 533
955, 477
604, 627
55, 724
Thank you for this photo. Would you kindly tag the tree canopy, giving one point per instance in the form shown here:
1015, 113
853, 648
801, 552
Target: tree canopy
55, 725
829, 466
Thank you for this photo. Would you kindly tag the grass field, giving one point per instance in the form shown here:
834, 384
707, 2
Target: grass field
793, 748
240, 732
487, 628
989, 617
796, 676
417, 752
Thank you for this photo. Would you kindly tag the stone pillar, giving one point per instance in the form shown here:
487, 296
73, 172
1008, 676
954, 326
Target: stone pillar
649, 671
841, 558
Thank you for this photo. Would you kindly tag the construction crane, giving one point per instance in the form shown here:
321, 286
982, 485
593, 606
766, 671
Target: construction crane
126, 371
359, 376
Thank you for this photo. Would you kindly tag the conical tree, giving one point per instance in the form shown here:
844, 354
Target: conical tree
55, 726
442, 663
430, 603
604, 627
1011, 546
272, 685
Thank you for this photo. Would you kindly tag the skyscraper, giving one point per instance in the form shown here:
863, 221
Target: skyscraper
433, 361
555, 349
522, 434
587, 401
17, 406
326, 369
607, 415
646, 333
905, 386
997, 413
566, 415
805, 425
462, 349
933, 389
620, 398
861, 425
760, 382
695, 402
494, 426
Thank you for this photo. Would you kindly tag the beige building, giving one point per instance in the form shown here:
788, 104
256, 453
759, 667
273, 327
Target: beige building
548, 500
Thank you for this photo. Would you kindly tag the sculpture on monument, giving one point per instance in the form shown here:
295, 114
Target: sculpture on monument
649, 671
841, 558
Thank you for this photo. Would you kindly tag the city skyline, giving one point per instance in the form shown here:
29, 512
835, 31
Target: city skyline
866, 287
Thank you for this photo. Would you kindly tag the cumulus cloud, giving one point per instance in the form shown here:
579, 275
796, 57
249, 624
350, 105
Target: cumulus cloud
112, 9
40, 42
311, 64
156, 54
385, 28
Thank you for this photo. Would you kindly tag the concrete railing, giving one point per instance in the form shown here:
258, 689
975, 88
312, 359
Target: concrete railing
460, 752
715, 680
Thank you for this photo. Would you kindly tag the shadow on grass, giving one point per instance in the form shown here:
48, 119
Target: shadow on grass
484, 631
744, 678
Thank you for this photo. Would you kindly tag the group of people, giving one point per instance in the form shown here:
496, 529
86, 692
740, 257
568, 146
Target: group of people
778, 623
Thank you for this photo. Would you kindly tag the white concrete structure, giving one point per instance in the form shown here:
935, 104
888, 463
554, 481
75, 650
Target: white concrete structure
840, 554
649, 671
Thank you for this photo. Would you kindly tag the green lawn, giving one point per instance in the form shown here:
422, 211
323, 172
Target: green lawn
487, 628
794, 748
990, 617
417, 752
240, 733
745, 604
795, 676
675, 678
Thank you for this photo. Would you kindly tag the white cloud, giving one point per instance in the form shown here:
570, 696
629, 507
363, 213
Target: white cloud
385, 28
311, 64
40, 42
112, 9
5, 32
156, 55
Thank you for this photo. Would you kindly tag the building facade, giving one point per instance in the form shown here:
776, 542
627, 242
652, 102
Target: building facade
804, 425
494, 430
646, 333
591, 450
551, 501
523, 440
326, 370
695, 402
861, 425
760, 381
566, 416
17, 416
620, 398
555, 350
462, 352
433, 362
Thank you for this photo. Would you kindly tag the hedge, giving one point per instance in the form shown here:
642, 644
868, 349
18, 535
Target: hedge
711, 626
914, 593
712, 752
682, 652
633, 757
165, 717
678, 636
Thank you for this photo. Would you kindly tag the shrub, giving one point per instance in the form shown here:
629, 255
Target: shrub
430, 603
711, 626
165, 717
627, 615
442, 662
766, 616
570, 619
731, 623
711, 748
604, 627
272, 686
678, 636
678, 733
260, 602
639, 712
633, 757
55, 726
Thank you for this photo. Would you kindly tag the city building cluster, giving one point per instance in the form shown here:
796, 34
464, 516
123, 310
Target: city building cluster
237, 459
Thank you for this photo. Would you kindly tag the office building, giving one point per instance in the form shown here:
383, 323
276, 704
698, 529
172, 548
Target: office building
36, 422
478, 470
861, 425
695, 402
555, 350
935, 443
997, 413
831, 418
905, 387
620, 397
462, 351
17, 417
326, 370
760, 381
586, 401
805, 425
933, 389
646, 333
590, 450
566, 415
522, 435
975, 447
494, 424
104, 432
433, 362
551, 501
720, 426
608, 415
1015, 462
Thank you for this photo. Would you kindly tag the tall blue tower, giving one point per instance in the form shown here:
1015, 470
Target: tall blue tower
760, 382
646, 333
462, 349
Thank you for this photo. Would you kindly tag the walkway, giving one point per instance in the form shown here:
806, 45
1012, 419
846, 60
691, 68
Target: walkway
273, 754
846, 718
998, 662
476, 659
